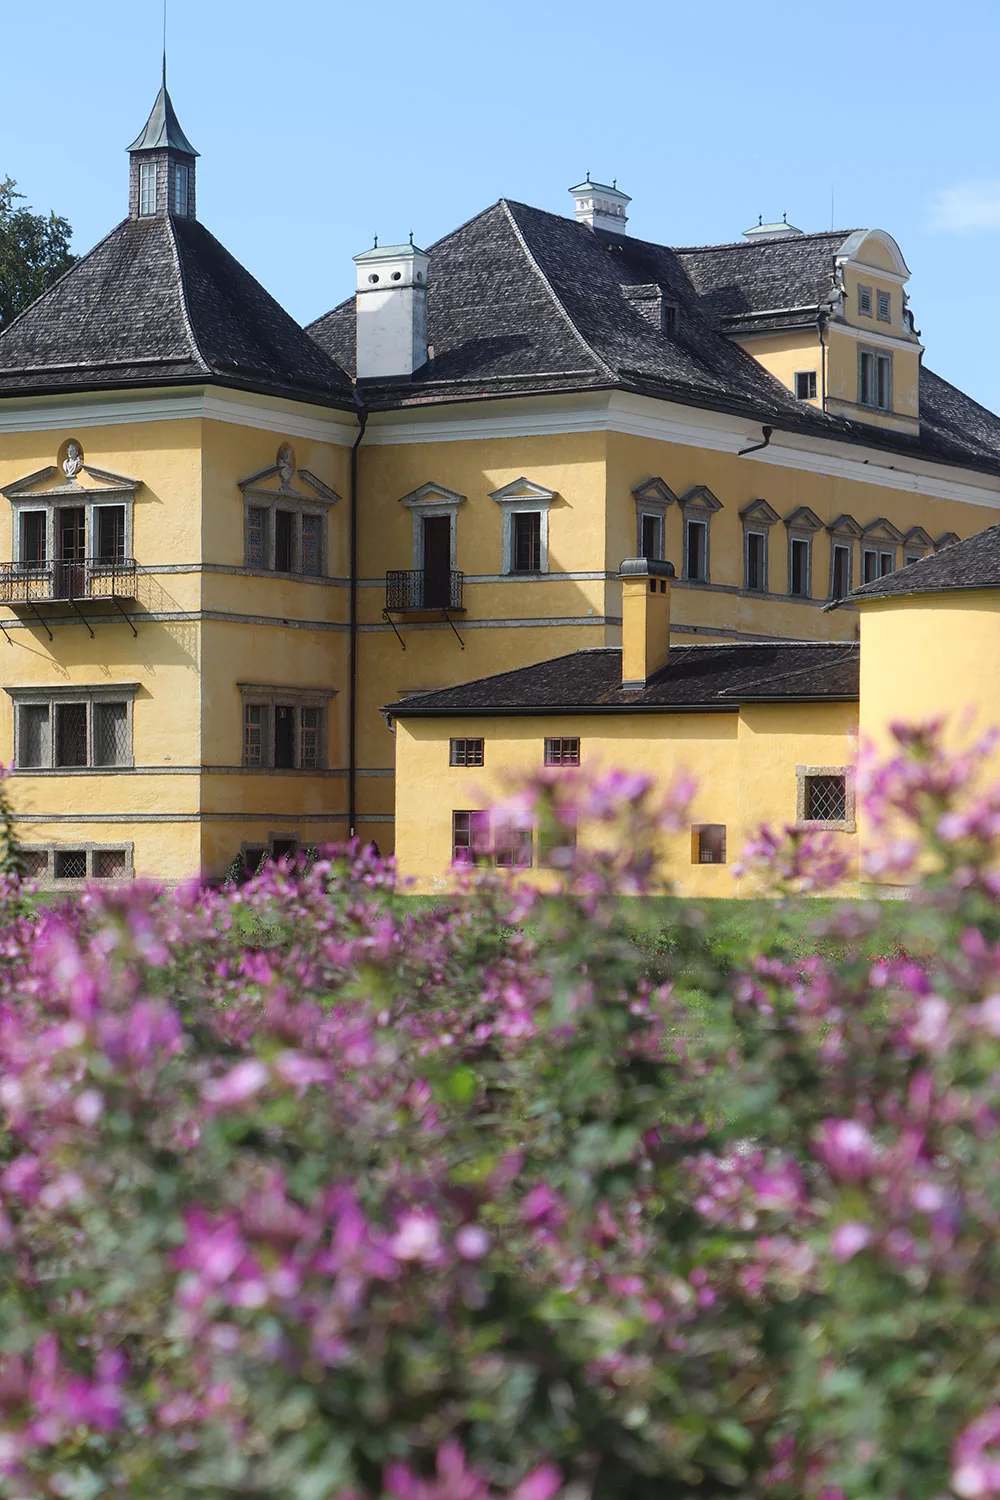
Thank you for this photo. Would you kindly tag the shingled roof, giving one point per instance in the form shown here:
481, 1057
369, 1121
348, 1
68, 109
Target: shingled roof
971, 564
158, 302
718, 676
520, 300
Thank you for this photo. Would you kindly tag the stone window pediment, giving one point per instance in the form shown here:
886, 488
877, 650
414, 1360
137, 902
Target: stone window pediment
803, 519
845, 526
523, 492
38, 488
432, 494
881, 530
525, 534
654, 495
700, 498
918, 537
946, 539
759, 513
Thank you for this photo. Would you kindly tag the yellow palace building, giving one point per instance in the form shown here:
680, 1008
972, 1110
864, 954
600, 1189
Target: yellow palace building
227, 542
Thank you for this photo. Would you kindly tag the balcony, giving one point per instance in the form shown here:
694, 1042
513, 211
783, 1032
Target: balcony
67, 582
414, 589
26, 585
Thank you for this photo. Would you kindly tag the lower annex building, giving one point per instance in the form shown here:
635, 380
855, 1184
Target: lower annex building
227, 541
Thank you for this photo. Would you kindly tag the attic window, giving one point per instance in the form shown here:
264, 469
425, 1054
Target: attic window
147, 188
865, 301
805, 385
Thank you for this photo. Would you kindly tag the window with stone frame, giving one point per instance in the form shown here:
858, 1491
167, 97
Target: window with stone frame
69, 733
755, 561
284, 537
283, 732
698, 506
825, 797
63, 864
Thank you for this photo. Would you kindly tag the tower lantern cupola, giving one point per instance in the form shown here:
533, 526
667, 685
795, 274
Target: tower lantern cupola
162, 164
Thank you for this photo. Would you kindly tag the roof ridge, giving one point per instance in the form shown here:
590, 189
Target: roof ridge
815, 234
533, 263
59, 281
182, 290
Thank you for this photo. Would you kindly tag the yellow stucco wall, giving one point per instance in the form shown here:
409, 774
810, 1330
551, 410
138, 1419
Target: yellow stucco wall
744, 763
786, 354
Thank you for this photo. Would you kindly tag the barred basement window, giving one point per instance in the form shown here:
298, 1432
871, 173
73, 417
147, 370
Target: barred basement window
35, 863
70, 864
826, 799
110, 864
467, 752
470, 836
708, 844
562, 752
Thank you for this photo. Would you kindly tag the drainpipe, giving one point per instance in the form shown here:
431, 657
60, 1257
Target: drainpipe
821, 321
352, 711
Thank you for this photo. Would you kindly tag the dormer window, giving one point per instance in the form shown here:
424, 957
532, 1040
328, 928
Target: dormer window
805, 385
147, 188
875, 379
865, 301
179, 188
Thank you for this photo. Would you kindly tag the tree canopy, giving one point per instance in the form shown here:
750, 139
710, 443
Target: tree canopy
34, 251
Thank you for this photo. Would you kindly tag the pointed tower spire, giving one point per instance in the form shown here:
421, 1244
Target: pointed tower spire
162, 163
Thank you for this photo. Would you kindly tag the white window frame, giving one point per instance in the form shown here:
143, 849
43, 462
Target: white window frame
148, 188
647, 512
764, 532
800, 538
652, 498
838, 544
703, 522
810, 377
259, 695
54, 698
878, 358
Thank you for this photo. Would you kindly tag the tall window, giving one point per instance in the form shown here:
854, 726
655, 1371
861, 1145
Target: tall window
875, 379
755, 561
651, 537
34, 538
283, 736
798, 566
840, 584
147, 188
73, 734
179, 188
696, 551
526, 541
109, 533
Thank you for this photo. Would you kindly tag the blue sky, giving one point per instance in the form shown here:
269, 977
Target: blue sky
321, 123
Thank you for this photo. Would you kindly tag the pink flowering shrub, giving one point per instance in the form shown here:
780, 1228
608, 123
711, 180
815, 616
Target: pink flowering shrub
308, 1190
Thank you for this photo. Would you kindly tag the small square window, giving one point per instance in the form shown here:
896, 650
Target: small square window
110, 864
865, 301
70, 864
805, 385
708, 844
884, 304
562, 752
826, 799
467, 752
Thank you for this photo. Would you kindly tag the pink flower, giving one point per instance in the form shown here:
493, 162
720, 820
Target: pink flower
89, 1106
848, 1239
417, 1238
541, 1484
472, 1242
238, 1085
847, 1149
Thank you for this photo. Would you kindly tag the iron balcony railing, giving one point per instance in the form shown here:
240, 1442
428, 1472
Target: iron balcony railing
413, 588
54, 582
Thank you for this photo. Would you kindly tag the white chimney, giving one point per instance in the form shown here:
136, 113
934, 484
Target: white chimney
391, 311
601, 207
